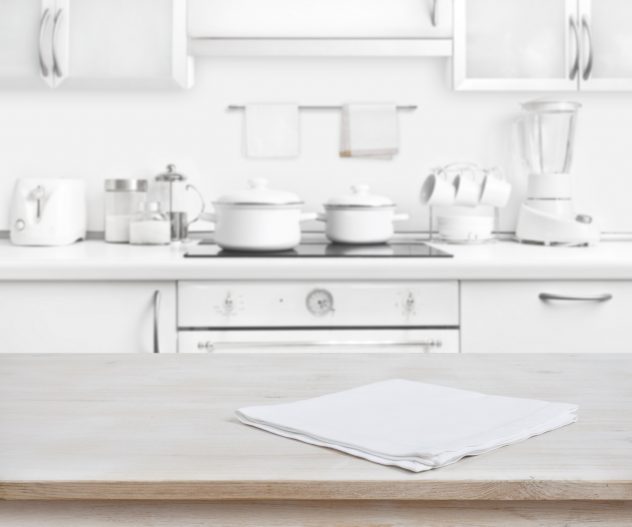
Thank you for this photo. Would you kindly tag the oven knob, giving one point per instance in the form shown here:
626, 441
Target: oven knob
320, 302
229, 306
409, 304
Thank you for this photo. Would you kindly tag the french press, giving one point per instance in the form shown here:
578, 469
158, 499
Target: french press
171, 190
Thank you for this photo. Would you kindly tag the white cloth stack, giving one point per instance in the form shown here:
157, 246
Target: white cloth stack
409, 424
272, 130
369, 131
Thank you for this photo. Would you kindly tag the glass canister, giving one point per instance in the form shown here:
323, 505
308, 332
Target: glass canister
150, 226
122, 201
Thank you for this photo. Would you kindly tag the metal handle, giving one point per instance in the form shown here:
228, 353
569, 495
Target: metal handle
549, 297
203, 206
56, 67
210, 346
43, 25
157, 298
589, 64
433, 13
575, 68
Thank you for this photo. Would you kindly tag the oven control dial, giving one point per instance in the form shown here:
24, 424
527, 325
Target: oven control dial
230, 305
320, 302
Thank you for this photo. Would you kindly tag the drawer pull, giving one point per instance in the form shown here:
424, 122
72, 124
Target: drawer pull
210, 347
548, 297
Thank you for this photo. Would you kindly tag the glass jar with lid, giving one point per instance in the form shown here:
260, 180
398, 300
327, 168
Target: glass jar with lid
122, 200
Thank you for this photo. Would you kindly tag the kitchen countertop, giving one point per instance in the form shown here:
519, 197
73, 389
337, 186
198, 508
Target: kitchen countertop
146, 427
97, 260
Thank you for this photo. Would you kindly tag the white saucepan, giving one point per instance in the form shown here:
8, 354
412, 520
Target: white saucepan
258, 219
360, 218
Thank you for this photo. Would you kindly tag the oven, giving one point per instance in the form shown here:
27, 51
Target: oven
318, 317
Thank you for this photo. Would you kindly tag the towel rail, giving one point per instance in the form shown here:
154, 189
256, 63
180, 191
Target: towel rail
406, 108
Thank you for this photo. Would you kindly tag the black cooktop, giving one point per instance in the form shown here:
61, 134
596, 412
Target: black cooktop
319, 249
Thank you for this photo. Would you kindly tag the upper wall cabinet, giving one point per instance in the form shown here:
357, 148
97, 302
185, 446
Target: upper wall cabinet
548, 45
23, 27
320, 28
94, 43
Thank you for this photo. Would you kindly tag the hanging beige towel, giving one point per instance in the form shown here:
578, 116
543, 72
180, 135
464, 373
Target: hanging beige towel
369, 131
272, 130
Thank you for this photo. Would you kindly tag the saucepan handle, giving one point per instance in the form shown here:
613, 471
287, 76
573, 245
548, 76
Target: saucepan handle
211, 217
308, 216
321, 216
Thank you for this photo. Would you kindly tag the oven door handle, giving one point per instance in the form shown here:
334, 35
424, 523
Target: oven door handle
210, 346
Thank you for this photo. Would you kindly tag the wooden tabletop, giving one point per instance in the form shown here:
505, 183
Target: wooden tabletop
163, 428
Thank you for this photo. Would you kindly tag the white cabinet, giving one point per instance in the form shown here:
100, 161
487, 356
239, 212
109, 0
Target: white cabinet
543, 45
546, 317
94, 43
606, 31
320, 28
88, 317
123, 43
25, 25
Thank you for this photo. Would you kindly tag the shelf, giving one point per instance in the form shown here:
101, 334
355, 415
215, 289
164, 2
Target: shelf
320, 47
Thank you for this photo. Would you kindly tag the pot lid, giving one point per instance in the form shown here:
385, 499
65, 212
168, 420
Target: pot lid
260, 194
360, 197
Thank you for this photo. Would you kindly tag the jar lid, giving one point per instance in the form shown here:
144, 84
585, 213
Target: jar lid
260, 194
126, 185
360, 197
171, 175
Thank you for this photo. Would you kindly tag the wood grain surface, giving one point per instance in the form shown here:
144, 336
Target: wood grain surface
88, 427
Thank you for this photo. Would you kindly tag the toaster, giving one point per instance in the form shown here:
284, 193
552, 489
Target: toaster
47, 211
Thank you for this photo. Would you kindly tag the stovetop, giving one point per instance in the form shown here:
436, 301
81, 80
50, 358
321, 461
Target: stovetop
320, 249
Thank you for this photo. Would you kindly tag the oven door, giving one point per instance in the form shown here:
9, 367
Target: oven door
320, 341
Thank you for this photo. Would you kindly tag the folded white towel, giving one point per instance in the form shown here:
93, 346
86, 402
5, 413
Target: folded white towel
411, 425
272, 130
369, 130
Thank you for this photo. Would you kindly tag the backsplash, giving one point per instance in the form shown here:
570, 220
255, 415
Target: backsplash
97, 135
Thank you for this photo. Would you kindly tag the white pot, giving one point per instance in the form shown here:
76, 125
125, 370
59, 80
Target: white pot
258, 219
360, 218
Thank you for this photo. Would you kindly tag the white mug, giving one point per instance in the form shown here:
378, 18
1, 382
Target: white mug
495, 190
437, 190
467, 190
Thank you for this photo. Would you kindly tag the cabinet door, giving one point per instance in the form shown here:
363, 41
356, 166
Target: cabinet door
546, 317
25, 29
122, 43
606, 33
87, 317
515, 45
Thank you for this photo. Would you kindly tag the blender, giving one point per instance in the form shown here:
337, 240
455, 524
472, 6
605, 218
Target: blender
548, 216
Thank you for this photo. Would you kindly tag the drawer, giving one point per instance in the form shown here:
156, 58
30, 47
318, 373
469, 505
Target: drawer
546, 317
206, 305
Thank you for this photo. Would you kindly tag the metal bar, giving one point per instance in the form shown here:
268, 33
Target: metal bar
406, 108
210, 346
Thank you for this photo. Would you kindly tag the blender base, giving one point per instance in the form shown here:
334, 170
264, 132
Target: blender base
538, 227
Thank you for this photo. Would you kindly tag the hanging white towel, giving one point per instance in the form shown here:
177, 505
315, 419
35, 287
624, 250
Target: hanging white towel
272, 130
369, 131
411, 425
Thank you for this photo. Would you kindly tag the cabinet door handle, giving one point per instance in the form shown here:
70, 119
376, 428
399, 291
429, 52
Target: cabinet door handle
43, 25
575, 67
433, 13
548, 297
157, 298
589, 63
56, 66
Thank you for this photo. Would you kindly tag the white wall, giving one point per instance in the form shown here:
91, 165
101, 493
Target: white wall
96, 135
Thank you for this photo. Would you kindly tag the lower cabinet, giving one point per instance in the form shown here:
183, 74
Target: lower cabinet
546, 317
88, 317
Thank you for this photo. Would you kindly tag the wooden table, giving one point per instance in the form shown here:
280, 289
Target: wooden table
152, 440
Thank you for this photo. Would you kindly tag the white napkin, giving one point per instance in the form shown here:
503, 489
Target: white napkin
369, 131
272, 130
411, 425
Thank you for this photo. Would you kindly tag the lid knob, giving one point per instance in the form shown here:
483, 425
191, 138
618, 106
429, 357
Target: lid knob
171, 174
362, 190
